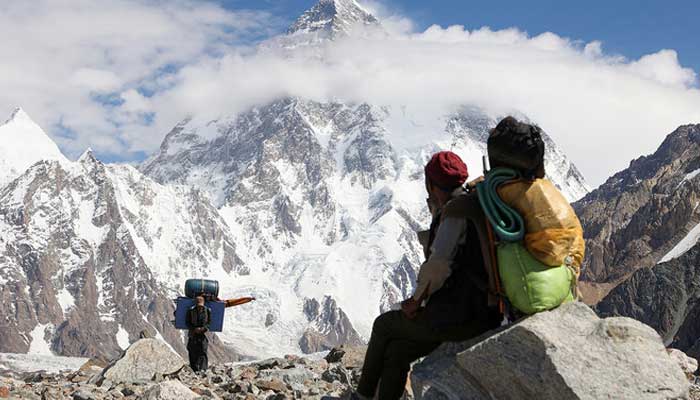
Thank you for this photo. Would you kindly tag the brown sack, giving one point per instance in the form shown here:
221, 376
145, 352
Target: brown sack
553, 232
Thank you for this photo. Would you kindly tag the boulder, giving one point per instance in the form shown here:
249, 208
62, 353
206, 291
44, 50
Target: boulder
351, 357
567, 353
141, 362
170, 390
688, 365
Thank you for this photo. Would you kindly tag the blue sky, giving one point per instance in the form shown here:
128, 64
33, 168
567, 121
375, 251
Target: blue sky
627, 27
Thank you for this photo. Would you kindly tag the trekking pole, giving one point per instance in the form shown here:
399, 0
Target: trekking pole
485, 163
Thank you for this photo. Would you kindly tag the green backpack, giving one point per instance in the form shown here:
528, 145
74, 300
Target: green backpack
529, 285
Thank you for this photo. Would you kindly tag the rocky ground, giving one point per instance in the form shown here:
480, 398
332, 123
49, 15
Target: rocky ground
290, 377
540, 357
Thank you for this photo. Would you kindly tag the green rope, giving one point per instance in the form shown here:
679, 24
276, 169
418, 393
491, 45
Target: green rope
507, 223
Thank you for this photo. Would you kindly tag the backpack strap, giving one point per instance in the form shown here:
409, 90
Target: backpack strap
467, 206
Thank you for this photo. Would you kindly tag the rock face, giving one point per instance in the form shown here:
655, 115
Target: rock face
638, 217
329, 328
568, 353
142, 361
667, 297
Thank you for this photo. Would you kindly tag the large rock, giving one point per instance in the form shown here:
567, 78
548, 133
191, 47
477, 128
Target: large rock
568, 353
141, 362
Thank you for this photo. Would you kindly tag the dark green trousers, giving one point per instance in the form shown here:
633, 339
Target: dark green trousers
394, 344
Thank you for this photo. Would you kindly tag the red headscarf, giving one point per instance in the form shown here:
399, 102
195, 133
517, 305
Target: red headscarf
446, 170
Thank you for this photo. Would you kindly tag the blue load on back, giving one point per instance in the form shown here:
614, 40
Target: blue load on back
210, 290
206, 287
217, 313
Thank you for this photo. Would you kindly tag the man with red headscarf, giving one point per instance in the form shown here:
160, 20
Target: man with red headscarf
452, 284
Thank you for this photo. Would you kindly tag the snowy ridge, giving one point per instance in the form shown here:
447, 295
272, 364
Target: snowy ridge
687, 243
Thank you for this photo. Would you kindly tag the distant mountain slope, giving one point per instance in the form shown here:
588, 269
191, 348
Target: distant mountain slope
667, 297
92, 254
637, 217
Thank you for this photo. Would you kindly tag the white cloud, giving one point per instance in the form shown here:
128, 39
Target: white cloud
64, 59
602, 109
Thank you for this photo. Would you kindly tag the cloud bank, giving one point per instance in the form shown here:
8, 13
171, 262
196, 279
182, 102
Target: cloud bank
130, 72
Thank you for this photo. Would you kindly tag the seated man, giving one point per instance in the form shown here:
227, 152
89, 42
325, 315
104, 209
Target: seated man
453, 283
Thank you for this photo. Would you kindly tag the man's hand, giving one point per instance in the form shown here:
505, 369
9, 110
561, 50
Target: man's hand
410, 307
199, 330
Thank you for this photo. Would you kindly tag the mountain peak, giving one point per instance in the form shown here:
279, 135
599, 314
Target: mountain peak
87, 156
23, 143
333, 18
19, 114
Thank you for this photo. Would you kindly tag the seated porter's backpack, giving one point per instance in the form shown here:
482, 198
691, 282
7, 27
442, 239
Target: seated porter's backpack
529, 285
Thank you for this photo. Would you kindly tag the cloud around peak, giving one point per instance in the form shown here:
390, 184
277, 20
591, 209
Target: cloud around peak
602, 108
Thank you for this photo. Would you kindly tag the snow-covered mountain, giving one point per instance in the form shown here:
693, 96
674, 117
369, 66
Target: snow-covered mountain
331, 18
92, 254
643, 232
323, 200
23, 143
312, 207
644, 215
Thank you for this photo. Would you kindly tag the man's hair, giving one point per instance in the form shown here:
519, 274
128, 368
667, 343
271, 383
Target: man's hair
517, 145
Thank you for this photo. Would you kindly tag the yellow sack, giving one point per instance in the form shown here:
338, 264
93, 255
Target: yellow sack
553, 231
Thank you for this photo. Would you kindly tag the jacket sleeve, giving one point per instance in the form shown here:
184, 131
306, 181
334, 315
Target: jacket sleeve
435, 271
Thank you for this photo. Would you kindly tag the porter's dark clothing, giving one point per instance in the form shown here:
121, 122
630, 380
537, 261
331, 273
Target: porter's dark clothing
198, 320
459, 310
197, 349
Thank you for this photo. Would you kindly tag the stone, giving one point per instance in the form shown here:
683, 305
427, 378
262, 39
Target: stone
689, 365
4, 392
169, 390
335, 355
83, 395
567, 353
273, 384
127, 391
248, 374
142, 361
289, 376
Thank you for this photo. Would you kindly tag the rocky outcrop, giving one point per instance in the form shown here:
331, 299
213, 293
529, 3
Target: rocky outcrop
329, 327
141, 362
568, 353
666, 297
636, 218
